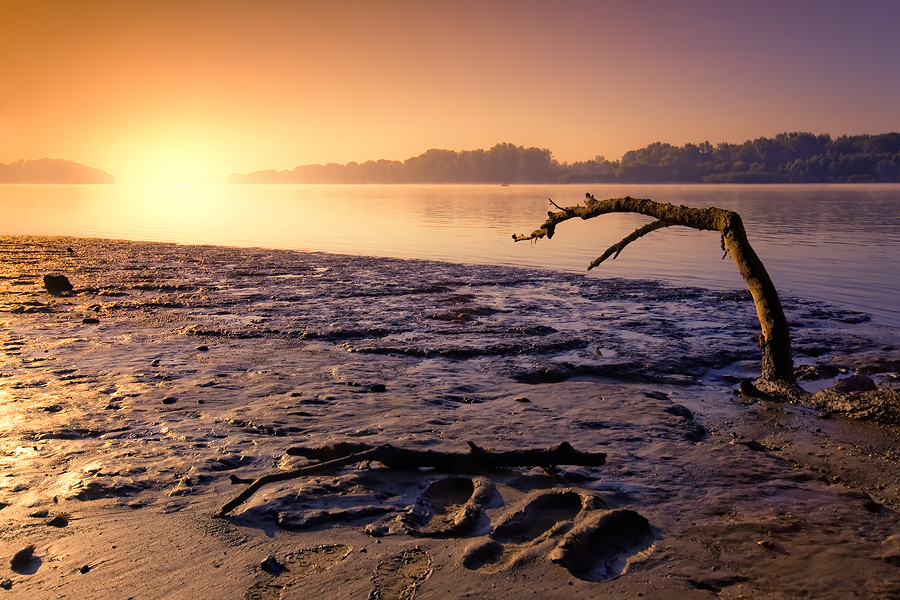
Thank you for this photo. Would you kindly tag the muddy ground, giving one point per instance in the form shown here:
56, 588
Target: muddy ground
127, 405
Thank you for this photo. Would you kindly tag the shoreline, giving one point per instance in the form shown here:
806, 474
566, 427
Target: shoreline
209, 361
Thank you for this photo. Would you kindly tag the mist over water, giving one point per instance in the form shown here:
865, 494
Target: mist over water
838, 243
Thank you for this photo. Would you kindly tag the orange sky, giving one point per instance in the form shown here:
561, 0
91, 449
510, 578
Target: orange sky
158, 90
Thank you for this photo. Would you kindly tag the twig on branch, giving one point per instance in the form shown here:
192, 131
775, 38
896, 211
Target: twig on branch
293, 474
476, 460
638, 233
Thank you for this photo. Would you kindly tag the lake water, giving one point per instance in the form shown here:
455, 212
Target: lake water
837, 243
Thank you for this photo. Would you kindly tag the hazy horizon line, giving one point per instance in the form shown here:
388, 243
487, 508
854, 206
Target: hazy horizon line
224, 179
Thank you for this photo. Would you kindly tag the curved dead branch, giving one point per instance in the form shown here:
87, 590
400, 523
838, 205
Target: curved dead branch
775, 339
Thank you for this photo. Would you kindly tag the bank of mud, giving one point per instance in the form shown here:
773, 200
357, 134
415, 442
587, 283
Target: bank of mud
127, 404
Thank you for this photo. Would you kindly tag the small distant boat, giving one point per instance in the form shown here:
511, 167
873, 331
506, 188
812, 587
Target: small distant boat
504, 184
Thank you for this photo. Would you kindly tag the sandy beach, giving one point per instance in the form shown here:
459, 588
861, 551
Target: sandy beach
128, 405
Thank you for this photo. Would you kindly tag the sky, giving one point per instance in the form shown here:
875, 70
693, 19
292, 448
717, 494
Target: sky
165, 91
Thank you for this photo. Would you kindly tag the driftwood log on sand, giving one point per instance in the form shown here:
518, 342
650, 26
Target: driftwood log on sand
475, 460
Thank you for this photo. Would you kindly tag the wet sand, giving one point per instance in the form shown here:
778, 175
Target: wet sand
126, 406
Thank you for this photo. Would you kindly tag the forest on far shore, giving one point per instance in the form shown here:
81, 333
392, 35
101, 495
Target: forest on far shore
786, 158
51, 170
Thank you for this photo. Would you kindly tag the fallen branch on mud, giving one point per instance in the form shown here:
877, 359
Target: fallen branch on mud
475, 460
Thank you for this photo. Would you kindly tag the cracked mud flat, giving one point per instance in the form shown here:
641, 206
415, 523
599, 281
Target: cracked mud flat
126, 406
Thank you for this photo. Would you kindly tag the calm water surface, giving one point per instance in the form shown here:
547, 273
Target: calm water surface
839, 243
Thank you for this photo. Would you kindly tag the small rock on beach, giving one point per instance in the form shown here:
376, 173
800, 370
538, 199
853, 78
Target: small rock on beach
57, 284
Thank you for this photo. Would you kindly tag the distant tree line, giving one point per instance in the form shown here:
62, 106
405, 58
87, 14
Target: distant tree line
503, 162
51, 170
786, 158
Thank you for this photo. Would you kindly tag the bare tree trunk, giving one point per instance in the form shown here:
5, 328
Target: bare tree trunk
777, 375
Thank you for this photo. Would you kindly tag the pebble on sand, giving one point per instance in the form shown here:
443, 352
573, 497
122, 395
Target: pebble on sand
272, 566
22, 557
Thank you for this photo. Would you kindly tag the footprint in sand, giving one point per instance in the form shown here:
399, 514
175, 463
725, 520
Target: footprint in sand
296, 566
400, 577
452, 506
604, 544
544, 515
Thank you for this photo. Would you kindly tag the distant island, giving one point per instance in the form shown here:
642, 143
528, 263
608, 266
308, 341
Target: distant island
786, 158
51, 170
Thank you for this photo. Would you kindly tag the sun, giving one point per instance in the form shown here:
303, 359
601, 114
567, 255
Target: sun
173, 160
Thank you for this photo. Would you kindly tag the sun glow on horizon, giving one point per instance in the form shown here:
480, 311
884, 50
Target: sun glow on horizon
167, 91
173, 160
